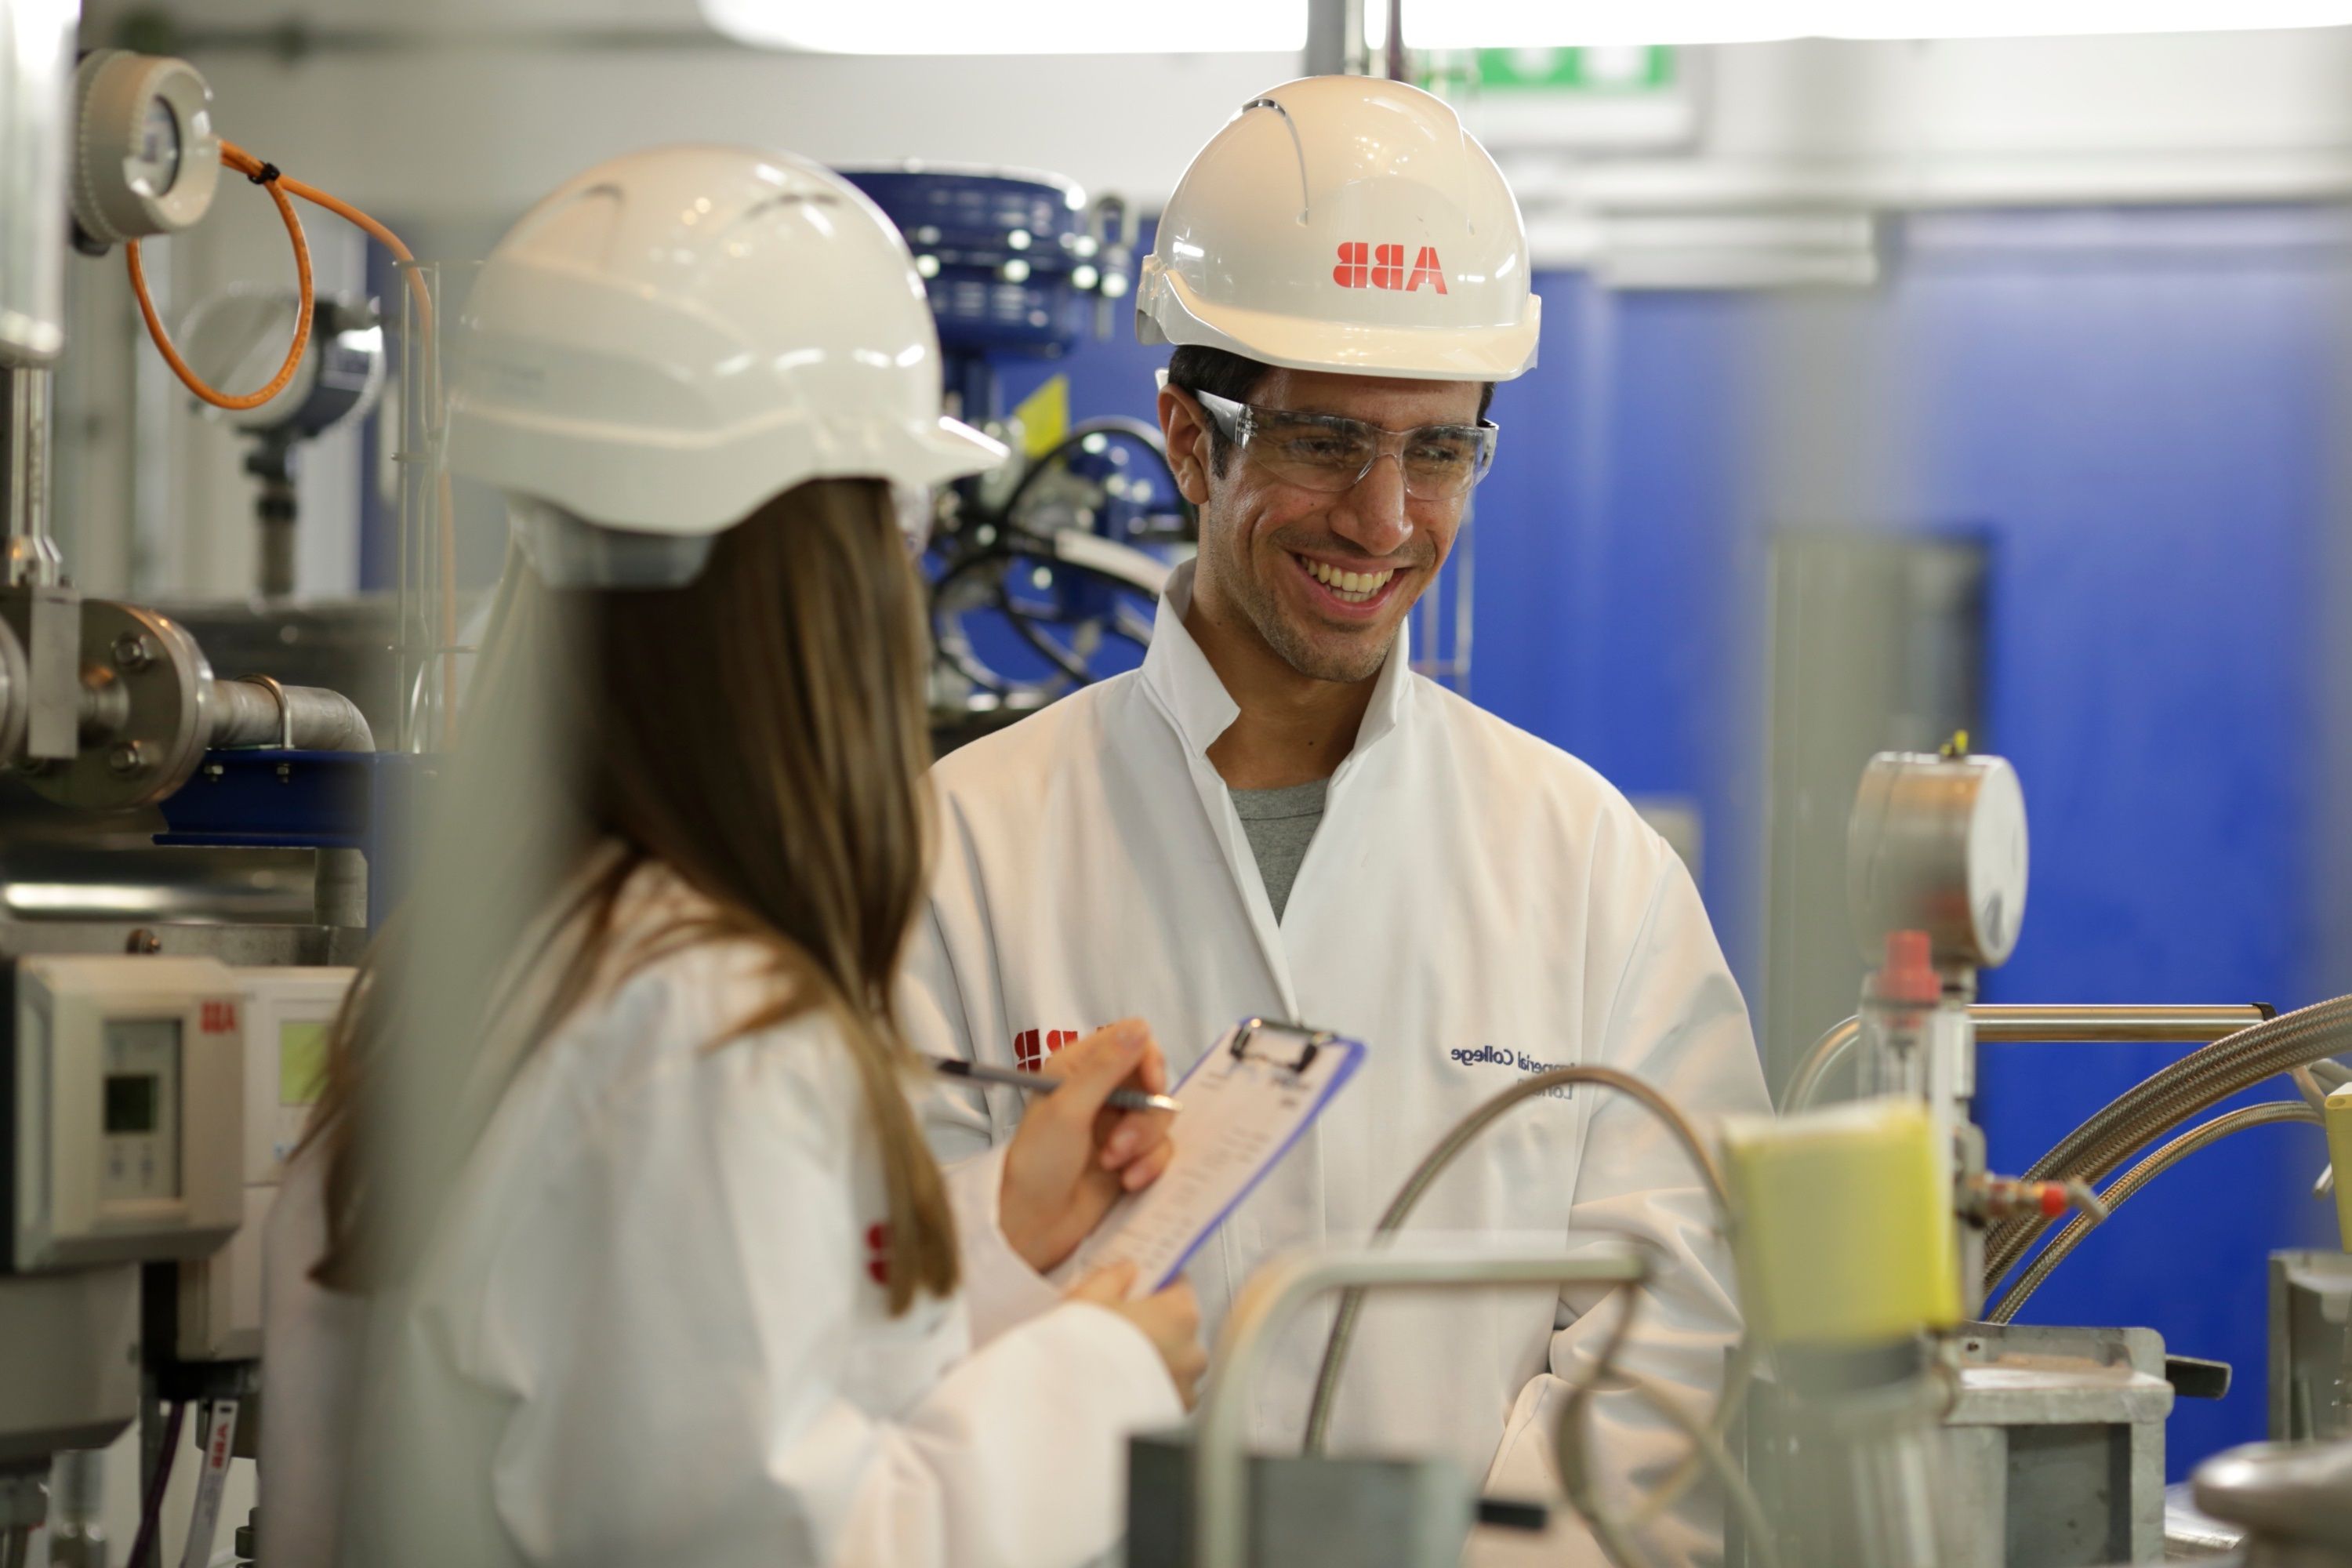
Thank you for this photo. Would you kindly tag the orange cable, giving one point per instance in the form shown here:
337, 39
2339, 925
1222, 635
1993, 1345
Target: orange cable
278, 185
245, 163
447, 540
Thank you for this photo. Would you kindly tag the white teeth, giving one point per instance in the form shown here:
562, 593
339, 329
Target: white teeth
1352, 587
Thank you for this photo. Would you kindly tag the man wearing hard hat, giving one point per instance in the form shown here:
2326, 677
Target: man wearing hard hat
1276, 816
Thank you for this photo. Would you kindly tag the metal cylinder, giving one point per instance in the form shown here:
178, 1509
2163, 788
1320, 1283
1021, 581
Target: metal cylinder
104, 704
2047, 1022
32, 556
341, 888
275, 512
260, 713
77, 1508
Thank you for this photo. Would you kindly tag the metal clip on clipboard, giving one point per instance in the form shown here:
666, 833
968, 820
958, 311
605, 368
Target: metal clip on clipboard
1306, 1041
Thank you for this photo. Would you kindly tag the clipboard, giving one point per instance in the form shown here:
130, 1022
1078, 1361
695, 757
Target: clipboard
1246, 1102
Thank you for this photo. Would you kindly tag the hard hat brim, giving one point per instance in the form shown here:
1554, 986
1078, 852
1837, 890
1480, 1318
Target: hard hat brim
665, 483
1169, 311
958, 451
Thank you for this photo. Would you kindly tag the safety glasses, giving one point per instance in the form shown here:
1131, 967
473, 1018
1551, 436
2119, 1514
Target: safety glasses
1332, 453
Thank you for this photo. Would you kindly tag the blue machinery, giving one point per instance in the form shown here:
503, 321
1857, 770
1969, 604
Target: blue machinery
1042, 576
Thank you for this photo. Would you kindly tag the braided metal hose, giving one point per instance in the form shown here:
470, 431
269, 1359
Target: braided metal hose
1467, 1131
2201, 1136
2162, 1101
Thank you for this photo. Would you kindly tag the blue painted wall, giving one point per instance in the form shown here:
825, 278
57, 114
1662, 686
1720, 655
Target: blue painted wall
2135, 409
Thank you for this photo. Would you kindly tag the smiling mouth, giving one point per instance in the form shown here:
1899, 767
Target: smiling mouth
1348, 587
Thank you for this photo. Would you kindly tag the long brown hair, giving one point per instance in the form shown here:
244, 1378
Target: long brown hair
759, 733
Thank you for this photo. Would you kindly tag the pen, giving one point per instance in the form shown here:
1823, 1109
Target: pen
1034, 1083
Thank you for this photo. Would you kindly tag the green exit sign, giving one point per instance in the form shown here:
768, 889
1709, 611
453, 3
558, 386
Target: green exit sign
1629, 69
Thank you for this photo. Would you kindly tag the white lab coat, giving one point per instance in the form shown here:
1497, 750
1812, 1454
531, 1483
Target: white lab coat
1474, 904
650, 1327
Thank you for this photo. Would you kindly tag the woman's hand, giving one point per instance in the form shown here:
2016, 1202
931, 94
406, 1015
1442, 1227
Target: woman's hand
1074, 1155
1170, 1321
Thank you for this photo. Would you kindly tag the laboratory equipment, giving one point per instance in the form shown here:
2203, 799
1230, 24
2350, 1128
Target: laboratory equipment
1965, 1445
2311, 1346
2050, 1446
1370, 1514
233, 340
287, 1015
125, 1167
1848, 1271
37, 42
122, 1083
146, 158
127, 1080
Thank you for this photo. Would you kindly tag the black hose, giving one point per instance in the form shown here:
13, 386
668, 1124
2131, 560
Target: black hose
1060, 657
1145, 435
151, 1512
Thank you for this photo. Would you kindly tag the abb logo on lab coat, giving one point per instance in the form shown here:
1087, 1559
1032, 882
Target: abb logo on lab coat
1363, 265
1031, 1047
877, 1253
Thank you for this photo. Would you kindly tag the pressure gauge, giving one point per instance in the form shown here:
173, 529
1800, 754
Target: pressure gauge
146, 157
1937, 844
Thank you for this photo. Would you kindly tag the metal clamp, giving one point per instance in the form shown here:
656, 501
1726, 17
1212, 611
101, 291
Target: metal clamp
1278, 1292
1310, 1042
271, 684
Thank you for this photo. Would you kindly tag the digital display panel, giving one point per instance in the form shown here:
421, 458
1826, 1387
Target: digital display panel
302, 1062
134, 1101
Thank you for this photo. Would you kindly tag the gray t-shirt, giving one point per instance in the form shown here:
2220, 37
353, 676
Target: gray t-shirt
1279, 823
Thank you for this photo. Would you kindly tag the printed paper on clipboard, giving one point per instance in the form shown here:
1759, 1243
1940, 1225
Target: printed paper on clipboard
1246, 1103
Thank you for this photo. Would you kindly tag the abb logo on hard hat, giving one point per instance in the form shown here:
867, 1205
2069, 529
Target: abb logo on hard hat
1363, 265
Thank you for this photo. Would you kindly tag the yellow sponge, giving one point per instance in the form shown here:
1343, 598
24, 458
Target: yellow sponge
1846, 1232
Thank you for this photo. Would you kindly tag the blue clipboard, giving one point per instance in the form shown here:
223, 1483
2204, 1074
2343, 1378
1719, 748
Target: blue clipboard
1249, 1098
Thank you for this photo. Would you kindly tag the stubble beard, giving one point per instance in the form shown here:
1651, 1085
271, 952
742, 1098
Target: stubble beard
1351, 661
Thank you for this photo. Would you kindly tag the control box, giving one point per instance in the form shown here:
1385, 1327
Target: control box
288, 1014
122, 1109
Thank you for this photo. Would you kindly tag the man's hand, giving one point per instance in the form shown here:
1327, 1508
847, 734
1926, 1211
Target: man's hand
1074, 1156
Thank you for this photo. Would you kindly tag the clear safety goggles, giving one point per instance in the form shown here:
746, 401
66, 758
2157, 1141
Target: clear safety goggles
1332, 453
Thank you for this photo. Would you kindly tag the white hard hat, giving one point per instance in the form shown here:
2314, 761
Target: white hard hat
674, 337
1348, 224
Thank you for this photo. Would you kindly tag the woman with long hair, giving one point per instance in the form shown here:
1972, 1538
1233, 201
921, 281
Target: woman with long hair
617, 1191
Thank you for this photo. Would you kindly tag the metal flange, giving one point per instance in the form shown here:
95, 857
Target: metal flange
15, 694
146, 711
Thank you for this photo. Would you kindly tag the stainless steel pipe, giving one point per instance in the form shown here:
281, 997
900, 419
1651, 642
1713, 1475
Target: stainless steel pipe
2056, 1022
261, 713
1276, 1294
32, 556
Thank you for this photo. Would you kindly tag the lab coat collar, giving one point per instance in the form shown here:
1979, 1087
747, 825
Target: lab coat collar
1175, 667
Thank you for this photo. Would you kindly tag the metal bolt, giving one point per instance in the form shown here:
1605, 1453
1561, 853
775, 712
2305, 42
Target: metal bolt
126, 757
134, 652
214, 772
142, 941
285, 773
